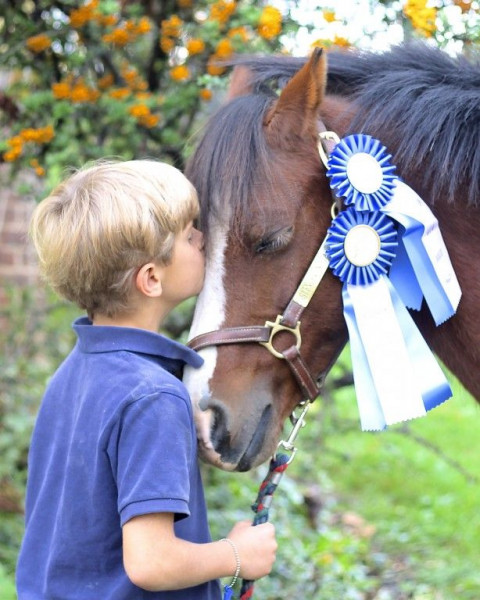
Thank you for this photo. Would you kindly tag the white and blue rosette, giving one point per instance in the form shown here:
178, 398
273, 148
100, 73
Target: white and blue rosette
387, 250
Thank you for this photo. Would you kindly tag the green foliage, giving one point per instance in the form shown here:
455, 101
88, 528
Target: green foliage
35, 338
7, 588
110, 78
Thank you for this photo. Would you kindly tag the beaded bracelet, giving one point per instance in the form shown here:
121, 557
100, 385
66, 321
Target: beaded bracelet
228, 590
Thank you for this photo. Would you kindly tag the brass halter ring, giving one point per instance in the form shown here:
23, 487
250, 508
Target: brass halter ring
276, 327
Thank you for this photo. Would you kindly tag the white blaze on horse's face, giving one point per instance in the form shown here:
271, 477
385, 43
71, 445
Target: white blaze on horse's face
209, 316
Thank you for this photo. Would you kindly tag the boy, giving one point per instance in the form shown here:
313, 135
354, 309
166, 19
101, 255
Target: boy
115, 507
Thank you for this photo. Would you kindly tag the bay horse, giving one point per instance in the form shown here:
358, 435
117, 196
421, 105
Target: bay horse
266, 207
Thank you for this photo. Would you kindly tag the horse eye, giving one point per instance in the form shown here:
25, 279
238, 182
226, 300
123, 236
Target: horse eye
275, 241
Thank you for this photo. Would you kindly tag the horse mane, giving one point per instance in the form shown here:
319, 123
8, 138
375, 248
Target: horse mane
428, 102
415, 94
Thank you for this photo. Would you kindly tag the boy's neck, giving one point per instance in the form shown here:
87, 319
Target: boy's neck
146, 319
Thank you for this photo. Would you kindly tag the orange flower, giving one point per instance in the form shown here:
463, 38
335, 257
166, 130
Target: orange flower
213, 68
15, 149
166, 44
83, 93
341, 41
180, 73
240, 32
46, 134
224, 48
129, 25
144, 117
143, 95
129, 75
421, 16
143, 26
42, 135
38, 43
195, 46
16, 142
185, 3
107, 20
171, 27
329, 16
40, 171
139, 111
118, 37
221, 11
120, 93
28, 135
270, 23
206, 94
149, 121
11, 155
106, 81
80, 16
141, 85
61, 90
464, 5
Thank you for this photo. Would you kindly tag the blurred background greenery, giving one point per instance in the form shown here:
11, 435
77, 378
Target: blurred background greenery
365, 516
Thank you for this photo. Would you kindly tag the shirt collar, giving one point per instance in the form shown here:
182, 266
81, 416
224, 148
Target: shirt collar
102, 338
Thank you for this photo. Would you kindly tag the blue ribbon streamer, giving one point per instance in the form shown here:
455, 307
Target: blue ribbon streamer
422, 273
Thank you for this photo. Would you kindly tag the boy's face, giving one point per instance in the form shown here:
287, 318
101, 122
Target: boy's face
183, 277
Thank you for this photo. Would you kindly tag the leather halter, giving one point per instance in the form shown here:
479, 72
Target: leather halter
289, 321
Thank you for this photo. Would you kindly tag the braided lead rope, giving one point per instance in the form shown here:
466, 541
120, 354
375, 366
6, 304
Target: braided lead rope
261, 506
277, 467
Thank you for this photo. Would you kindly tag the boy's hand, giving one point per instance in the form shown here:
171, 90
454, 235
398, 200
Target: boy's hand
256, 548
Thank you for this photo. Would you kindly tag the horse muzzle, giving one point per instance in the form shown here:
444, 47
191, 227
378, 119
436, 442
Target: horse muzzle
235, 440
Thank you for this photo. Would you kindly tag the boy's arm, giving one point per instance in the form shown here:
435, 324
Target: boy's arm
156, 560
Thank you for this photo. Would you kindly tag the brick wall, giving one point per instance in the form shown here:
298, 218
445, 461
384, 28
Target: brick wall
17, 256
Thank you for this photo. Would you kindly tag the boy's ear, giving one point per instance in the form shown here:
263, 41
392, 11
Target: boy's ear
148, 280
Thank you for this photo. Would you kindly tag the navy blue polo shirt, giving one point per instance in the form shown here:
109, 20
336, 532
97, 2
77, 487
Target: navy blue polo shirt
114, 438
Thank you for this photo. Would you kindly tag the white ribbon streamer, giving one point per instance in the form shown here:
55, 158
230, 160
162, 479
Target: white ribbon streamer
387, 356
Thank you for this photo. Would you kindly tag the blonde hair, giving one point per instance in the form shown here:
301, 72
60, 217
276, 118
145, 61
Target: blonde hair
104, 222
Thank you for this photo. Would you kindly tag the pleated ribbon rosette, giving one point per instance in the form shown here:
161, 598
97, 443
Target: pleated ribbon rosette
387, 249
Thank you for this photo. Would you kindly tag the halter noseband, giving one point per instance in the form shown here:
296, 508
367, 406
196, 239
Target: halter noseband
290, 320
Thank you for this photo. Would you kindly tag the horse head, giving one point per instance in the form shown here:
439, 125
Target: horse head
265, 210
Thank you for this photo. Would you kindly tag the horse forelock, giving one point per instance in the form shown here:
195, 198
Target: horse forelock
230, 160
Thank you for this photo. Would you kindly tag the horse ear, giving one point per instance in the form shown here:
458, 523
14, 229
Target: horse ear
240, 82
296, 110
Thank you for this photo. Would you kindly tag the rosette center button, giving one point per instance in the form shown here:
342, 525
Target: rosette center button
362, 245
364, 173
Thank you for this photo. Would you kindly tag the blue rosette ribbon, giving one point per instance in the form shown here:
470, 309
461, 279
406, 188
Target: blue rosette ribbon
387, 250
360, 171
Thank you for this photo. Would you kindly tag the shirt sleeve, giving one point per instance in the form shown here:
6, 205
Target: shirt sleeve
151, 453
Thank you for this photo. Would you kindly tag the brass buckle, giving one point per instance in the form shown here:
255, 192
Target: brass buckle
276, 327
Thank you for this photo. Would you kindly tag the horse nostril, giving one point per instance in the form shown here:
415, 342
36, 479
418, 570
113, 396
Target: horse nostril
219, 435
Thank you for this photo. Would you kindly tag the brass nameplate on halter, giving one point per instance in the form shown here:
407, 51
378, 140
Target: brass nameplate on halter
312, 278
